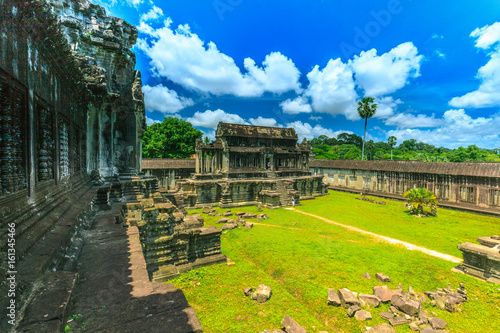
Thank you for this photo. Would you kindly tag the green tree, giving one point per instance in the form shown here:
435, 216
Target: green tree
418, 198
392, 141
172, 138
366, 109
206, 140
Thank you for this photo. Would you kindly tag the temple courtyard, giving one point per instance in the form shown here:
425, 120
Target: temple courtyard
300, 257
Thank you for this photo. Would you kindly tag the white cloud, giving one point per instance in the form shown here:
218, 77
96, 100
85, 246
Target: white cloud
164, 100
458, 129
305, 130
487, 95
386, 107
154, 14
440, 54
150, 121
385, 74
260, 121
313, 118
210, 119
408, 120
182, 57
332, 89
436, 36
296, 106
134, 3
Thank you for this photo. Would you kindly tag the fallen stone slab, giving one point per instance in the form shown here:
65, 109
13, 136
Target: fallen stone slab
240, 213
241, 222
206, 210
410, 307
248, 225
429, 330
222, 220
248, 291
333, 298
227, 213
382, 292
437, 323
370, 300
229, 226
399, 320
291, 326
263, 216
382, 328
347, 298
248, 216
278, 331
386, 315
352, 310
382, 277
367, 276
363, 315
262, 293
414, 327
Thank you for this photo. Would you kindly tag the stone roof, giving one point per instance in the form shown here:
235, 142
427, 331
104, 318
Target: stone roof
167, 163
479, 169
225, 129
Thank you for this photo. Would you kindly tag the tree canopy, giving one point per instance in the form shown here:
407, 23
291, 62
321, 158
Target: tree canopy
366, 109
418, 198
172, 138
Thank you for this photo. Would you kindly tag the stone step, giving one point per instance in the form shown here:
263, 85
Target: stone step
48, 307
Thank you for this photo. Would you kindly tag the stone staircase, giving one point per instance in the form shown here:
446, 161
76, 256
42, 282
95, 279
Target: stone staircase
282, 189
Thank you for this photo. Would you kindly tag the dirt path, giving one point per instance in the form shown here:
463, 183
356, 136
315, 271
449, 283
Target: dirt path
389, 240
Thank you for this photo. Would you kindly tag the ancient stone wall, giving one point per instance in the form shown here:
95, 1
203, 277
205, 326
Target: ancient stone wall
467, 185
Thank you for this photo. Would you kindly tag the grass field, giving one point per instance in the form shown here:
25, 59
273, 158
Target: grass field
301, 257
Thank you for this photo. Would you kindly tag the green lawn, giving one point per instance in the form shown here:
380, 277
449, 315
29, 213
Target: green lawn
301, 257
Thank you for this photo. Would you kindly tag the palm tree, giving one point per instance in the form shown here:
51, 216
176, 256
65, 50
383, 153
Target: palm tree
418, 198
366, 109
392, 141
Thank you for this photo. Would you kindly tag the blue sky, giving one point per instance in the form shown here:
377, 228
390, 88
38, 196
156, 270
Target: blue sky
433, 67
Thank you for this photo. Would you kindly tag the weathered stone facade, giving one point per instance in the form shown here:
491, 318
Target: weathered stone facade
482, 260
245, 165
172, 242
468, 185
116, 114
71, 115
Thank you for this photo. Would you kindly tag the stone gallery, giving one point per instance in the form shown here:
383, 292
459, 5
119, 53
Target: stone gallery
473, 186
249, 165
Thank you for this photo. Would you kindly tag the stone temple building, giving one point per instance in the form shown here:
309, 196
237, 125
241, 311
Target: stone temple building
77, 223
245, 165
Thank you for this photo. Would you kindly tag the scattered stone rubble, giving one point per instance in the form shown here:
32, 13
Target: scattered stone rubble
371, 200
261, 294
289, 326
230, 223
406, 307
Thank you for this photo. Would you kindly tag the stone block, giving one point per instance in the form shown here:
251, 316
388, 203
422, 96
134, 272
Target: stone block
399, 320
352, 310
347, 298
382, 277
363, 315
248, 226
386, 315
262, 293
222, 220
370, 300
333, 298
291, 326
382, 292
382, 328
437, 323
